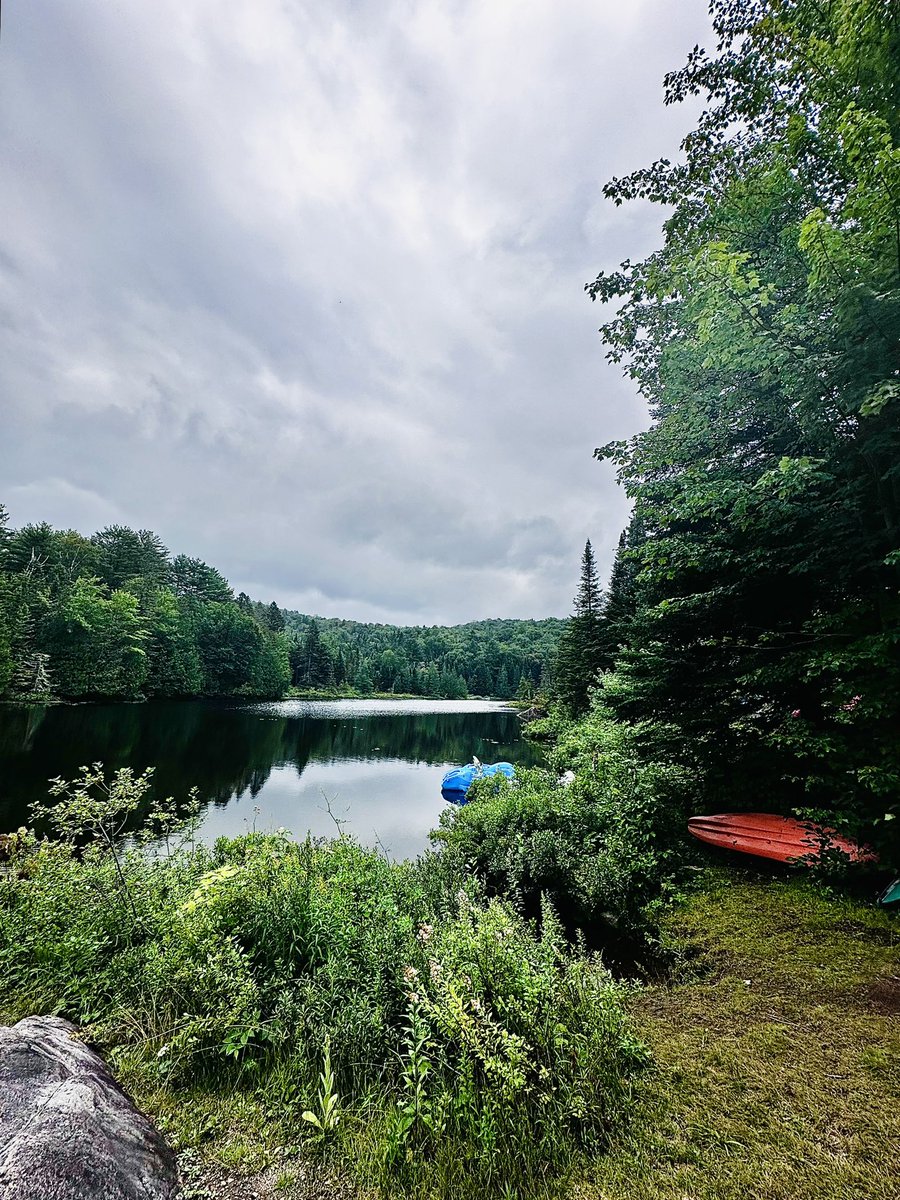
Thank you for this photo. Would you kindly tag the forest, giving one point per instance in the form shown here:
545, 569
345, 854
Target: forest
568, 996
750, 631
115, 615
481, 658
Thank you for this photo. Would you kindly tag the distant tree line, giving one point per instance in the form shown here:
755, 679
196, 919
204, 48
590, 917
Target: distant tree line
115, 615
505, 658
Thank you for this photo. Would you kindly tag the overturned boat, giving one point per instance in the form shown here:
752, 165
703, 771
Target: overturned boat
457, 781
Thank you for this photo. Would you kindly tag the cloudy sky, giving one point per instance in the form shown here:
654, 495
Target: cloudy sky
299, 285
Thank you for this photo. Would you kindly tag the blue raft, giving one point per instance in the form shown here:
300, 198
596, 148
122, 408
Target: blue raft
457, 782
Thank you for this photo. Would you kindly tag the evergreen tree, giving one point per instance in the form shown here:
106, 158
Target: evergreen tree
174, 666
33, 681
580, 653
587, 601
622, 597
274, 618
197, 579
363, 681
125, 554
503, 685
316, 666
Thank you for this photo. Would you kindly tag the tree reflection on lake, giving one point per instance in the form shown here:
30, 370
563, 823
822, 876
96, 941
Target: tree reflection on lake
376, 764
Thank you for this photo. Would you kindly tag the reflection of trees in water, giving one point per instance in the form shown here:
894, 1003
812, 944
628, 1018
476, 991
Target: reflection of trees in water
421, 738
226, 751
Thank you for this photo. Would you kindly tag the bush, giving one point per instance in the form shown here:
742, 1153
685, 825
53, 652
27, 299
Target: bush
601, 843
432, 1034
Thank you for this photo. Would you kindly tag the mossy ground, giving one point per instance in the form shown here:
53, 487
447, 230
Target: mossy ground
777, 1055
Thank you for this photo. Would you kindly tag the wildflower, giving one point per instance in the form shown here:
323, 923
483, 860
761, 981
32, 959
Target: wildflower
410, 974
851, 704
796, 712
435, 970
477, 1006
425, 932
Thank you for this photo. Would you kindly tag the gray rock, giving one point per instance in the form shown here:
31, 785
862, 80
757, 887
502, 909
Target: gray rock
67, 1130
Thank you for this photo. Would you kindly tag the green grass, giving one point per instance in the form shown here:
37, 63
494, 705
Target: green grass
776, 1055
774, 1077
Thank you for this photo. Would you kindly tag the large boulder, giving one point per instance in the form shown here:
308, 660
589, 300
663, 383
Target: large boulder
67, 1130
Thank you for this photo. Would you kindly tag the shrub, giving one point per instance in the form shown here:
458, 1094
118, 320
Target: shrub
601, 843
433, 1034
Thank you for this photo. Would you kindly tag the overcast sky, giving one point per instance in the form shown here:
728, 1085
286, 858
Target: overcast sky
299, 285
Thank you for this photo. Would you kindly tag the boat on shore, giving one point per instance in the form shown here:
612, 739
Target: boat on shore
782, 839
458, 780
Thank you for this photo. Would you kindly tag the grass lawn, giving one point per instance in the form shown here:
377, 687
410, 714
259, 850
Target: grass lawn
777, 1055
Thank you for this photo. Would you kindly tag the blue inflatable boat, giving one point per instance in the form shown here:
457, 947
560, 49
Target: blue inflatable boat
457, 782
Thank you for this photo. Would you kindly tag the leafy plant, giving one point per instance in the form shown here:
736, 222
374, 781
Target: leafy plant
328, 1117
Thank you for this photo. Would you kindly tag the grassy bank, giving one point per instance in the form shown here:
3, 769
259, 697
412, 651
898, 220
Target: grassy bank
449, 1027
775, 1054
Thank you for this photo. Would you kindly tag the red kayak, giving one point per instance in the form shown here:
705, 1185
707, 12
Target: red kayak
768, 836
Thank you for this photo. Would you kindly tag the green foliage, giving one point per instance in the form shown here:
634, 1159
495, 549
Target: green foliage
112, 616
760, 612
191, 577
96, 642
461, 1045
326, 1120
580, 655
127, 554
600, 842
488, 658
175, 667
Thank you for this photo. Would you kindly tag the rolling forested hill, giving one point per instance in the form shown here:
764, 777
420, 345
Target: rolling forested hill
482, 658
115, 615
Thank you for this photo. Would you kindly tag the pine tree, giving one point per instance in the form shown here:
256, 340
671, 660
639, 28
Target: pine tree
580, 653
621, 601
274, 618
33, 680
587, 601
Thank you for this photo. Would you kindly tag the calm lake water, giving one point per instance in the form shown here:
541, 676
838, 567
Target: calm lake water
377, 764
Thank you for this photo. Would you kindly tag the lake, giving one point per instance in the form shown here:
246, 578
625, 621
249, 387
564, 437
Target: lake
375, 764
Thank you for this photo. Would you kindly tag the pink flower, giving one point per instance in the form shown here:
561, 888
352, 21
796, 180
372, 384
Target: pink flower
796, 712
851, 704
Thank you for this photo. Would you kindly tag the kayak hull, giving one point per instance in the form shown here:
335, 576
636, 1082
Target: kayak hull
782, 839
457, 782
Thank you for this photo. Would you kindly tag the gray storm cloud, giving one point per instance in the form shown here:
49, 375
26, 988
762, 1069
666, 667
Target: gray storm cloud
301, 289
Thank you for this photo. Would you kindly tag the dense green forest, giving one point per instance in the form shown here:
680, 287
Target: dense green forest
751, 628
454, 1026
115, 615
481, 658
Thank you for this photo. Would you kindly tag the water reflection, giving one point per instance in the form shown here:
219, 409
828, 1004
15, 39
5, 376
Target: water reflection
377, 765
